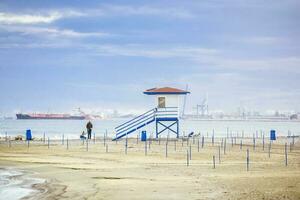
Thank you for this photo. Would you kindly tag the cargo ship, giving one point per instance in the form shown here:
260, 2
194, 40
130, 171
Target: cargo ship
50, 116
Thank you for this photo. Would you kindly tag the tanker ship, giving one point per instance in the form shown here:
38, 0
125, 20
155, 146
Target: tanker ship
50, 116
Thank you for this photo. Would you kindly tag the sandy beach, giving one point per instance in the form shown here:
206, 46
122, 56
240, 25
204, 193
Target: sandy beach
104, 171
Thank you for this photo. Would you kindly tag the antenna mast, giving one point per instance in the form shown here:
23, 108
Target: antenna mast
184, 101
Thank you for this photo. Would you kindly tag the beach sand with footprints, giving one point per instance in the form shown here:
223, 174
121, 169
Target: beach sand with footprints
158, 170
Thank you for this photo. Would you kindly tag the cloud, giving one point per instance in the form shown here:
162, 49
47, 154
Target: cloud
121, 10
288, 63
208, 57
51, 32
264, 40
199, 56
152, 52
46, 17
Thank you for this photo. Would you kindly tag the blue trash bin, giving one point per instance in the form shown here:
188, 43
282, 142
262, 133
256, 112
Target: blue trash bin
28, 135
144, 136
272, 135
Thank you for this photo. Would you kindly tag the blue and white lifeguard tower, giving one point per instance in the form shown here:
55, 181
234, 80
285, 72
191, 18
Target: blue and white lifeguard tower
165, 114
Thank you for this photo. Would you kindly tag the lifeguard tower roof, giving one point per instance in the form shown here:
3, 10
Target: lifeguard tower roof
165, 90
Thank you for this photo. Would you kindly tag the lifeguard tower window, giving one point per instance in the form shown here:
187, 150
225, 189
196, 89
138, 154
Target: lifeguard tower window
161, 102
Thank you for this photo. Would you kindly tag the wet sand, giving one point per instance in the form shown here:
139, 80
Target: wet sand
92, 173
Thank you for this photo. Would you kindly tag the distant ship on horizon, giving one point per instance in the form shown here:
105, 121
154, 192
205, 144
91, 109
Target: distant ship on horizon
50, 116
80, 116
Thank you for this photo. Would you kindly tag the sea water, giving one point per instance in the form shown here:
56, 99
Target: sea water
14, 184
73, 128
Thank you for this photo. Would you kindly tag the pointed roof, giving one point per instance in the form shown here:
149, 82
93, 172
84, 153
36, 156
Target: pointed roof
165, 90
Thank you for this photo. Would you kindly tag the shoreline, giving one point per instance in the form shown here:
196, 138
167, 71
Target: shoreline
16, 183
37, 187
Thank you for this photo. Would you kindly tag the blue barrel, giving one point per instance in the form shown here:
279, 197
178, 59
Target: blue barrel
28, 135
272, 135
144, 136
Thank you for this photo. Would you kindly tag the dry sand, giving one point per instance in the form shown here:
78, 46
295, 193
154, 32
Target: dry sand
76, 173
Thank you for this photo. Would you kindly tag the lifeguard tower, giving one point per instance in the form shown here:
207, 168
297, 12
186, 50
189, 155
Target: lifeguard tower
165, 114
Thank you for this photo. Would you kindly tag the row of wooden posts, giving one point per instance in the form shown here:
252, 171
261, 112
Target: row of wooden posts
202, 142
147, 146
233, 138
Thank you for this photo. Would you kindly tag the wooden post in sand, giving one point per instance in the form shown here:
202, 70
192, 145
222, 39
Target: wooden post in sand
222, 143
44, 138
248, 159
146, 148
270, 149
202, 144
219, 155
106, 148
198, 144
9, 143
126, 144
87, 145
104, 138
291, 147
62, 139
187, 158
225, 146
48, 142
241, 145
213, 139
159, 140
166, 149
190, 152
67, 143
286, 156
168, 137
263, 141
254, 143
214, 162
182, 141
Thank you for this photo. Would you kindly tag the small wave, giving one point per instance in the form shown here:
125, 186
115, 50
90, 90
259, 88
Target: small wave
15, 184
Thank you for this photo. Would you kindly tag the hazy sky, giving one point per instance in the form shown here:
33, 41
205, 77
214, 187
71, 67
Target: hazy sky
59, 55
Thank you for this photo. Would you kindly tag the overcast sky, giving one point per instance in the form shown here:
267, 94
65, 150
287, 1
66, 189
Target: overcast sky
59, 55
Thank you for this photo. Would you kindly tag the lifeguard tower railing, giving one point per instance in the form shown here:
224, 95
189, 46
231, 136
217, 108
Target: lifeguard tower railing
145, 119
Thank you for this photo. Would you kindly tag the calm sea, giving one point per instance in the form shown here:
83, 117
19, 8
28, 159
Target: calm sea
73, 128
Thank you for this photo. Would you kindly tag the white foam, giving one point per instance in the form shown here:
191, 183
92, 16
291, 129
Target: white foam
16, 184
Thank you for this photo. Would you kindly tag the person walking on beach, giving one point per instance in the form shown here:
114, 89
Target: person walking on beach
89, 127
